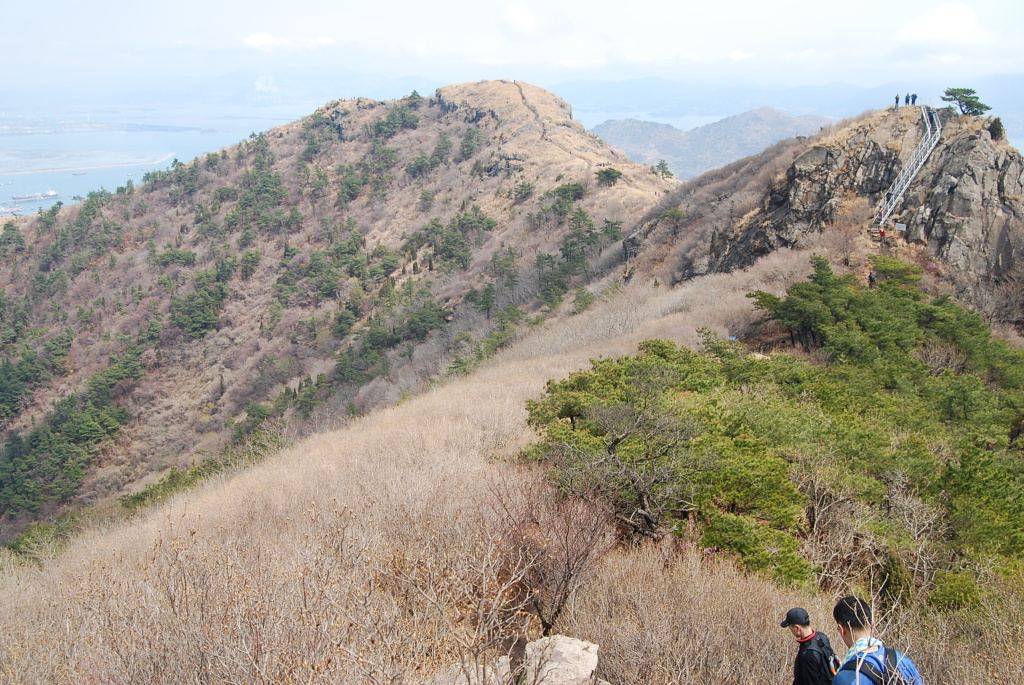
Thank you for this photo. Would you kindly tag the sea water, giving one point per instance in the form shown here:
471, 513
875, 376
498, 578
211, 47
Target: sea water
74, 163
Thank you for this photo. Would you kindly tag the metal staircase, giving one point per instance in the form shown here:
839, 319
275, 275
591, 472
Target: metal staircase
913, 165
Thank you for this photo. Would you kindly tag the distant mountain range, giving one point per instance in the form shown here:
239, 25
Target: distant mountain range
691, 153
660, 98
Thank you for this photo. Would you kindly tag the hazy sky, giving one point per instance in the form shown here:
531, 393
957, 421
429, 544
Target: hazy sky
791, 42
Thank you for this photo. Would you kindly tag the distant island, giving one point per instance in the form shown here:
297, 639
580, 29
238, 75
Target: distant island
19, 127
15, 161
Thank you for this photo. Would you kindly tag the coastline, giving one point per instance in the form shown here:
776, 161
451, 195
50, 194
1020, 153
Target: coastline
159, 160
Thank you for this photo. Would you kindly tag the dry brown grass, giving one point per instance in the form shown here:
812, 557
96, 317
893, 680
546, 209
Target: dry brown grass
411, 540
708, 623
371, 553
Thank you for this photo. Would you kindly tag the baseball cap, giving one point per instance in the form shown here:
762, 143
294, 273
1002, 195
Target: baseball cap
798, 616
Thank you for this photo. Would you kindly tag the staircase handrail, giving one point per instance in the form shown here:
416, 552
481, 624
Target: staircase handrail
928, 142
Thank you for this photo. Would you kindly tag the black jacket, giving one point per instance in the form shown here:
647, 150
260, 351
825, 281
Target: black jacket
812, 665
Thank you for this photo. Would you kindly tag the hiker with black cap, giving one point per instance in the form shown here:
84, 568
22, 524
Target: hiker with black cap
815, 658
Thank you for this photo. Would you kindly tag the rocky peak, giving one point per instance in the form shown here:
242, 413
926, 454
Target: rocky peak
964, 204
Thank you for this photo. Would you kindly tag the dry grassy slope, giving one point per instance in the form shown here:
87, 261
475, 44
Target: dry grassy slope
292, 567
191, 387
531, 128
242, 554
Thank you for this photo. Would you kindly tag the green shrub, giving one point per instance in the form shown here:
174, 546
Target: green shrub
955, 590
608, 176
723, 438
996, 130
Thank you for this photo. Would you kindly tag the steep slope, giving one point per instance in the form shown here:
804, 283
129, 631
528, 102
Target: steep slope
690, 153
963, 211
304, 553
383, 551
307, 273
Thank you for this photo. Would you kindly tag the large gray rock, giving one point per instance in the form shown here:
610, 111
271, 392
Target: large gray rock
560, 660
556, 660
967, 208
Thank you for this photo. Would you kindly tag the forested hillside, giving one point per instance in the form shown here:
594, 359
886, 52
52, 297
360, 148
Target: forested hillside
303, 276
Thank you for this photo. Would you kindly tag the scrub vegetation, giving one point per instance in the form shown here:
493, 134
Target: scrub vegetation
305, 276
891, 462
381, 393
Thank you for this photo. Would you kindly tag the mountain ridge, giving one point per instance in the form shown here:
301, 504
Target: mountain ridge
403, 532
336, 251
691, 153
355, 257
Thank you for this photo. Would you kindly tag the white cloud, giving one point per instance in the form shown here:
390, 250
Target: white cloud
947, 23
534, 24
583, 62
493, 61
524, 22
267, 42
737, 56
261, 41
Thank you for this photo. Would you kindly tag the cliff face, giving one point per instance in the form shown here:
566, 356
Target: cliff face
964, 204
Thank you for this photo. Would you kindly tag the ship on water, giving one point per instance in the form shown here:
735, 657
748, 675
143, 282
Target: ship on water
36, 197
9, 210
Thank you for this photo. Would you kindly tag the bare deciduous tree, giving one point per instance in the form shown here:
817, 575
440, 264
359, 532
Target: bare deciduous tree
563, 540
923, 522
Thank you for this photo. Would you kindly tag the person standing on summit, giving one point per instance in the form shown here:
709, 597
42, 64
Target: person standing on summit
814, 658
897, 100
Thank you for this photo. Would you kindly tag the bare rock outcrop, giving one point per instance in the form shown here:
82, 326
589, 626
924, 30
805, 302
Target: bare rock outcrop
967, 207
964, 204
861, 160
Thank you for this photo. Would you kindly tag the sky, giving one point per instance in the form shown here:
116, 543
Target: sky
73, 46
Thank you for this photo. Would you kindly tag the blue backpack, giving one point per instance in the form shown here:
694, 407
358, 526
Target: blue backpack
891, 676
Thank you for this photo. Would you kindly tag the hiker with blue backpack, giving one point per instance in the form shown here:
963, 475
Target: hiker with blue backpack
868, 661
815, 661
